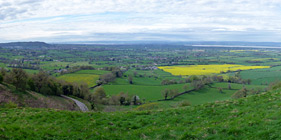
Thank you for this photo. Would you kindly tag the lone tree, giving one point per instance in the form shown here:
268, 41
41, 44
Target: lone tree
100, 93
248, 81
106, 78
185, 87
165, 93
135, 73
240, 93
124, 98
19, 78
229, 86
1, 78
220, 89
197, 84
130, 79
136, 100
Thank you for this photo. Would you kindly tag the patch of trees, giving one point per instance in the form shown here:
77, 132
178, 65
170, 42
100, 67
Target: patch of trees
196, 80
110, 77
196, 84
106, 78
169, 82
47, 85
254, 61
239, 80
169, 93
77, 68
199, 83
21, 64
99, 97
244, 92
44, 84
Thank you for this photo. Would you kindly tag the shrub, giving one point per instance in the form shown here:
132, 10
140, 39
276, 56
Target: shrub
10, 104
184, 103
275, 85
240, 93
149, 106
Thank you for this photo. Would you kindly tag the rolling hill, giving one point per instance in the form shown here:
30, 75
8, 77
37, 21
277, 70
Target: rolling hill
253, 117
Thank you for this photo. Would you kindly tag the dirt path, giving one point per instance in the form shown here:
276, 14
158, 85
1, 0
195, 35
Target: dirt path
81, 105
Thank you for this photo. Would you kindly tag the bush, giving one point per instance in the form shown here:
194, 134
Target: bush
275, 85
240, 93
149, 106
10, 104
184, 103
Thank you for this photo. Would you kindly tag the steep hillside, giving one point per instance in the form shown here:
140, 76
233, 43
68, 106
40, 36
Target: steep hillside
254, 117
10, 96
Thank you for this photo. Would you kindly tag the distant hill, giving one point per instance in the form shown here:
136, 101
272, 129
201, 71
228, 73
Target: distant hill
187, 43
40, 45
26, 45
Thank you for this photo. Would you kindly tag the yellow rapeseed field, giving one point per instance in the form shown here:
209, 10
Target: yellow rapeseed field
206, 69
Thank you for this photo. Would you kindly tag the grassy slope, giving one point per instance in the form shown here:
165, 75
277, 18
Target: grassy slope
207, 94
254, 117
32, 99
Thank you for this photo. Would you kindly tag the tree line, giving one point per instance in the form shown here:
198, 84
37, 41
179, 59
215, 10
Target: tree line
42, 83
48, 85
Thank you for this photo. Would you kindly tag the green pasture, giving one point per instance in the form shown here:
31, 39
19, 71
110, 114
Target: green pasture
90, 79
262, 76
149, 93
96, 72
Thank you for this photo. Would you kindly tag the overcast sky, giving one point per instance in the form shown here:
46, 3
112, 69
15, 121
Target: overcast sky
129, 20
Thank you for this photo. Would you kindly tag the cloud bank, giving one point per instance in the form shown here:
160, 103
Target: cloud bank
127, 20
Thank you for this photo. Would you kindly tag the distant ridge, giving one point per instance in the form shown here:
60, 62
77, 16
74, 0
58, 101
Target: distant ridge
35, 44
187, 43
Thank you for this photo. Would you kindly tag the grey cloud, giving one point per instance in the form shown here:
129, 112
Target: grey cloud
11, 12
5, 4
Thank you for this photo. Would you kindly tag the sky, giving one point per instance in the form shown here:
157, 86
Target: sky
140, 20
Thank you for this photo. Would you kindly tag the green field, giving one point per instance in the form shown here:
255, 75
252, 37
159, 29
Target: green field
90, 79
263, 76
96, 72
141, 64
149, 93
31, 71
57, 65
87, 76
212, 94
